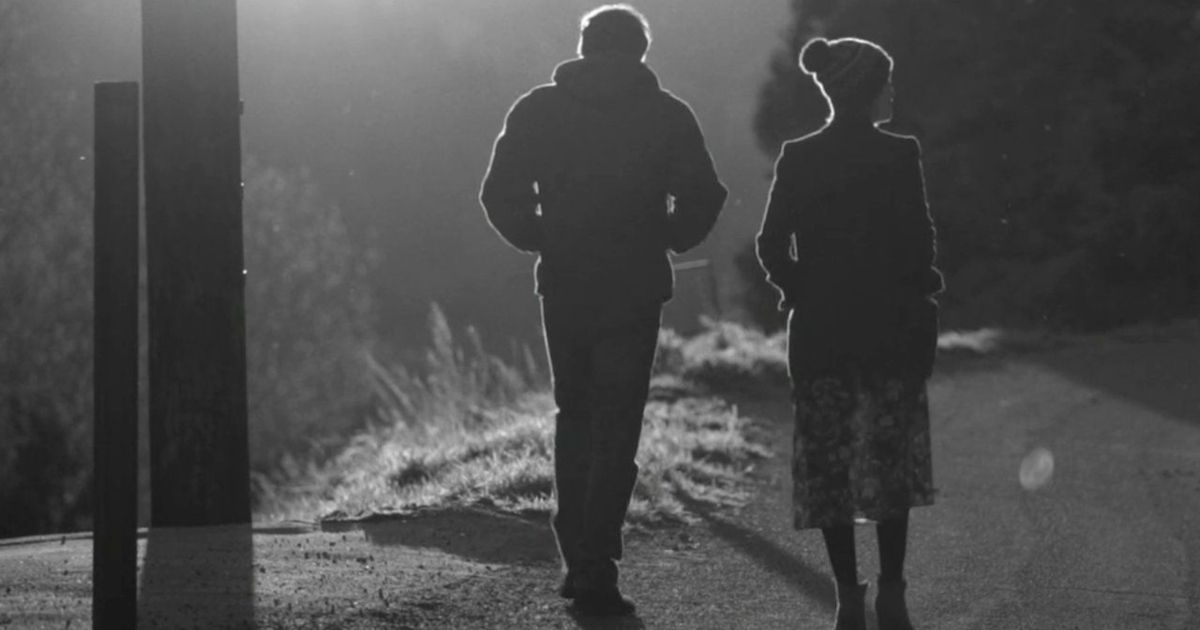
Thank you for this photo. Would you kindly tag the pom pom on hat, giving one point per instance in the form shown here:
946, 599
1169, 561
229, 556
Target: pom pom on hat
815, 57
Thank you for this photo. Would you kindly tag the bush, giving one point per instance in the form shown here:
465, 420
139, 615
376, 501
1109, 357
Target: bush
725, 358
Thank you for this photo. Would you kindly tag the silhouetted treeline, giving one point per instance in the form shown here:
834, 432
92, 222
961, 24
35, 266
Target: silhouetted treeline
1059, 148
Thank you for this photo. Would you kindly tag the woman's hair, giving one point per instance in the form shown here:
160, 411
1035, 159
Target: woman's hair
851, 72
614, 28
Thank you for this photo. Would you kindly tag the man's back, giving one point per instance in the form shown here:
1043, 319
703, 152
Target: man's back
607, 148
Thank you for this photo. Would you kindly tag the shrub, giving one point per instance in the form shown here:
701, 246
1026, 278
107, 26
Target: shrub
726, 357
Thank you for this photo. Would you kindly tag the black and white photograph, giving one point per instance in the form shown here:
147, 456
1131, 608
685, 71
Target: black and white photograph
566, 315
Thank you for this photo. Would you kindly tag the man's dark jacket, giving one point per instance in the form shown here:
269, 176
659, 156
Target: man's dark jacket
600, 173
862, 281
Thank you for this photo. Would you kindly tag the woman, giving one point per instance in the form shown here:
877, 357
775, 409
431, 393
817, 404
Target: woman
850, 200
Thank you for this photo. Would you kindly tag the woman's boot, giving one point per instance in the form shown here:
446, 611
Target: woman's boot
850, 611
890, 606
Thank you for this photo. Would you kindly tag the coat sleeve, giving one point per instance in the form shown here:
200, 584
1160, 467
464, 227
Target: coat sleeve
509, 196
696, 191
917, 235
774, 242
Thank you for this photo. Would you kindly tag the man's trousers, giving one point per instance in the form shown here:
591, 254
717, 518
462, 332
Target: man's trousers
601, 373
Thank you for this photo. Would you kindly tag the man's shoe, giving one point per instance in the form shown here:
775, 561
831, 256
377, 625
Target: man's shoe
603, 602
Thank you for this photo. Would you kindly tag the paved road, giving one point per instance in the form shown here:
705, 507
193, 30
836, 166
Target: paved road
1113, 540
1110, 541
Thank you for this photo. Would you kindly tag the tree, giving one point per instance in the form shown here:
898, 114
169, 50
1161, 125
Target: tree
789, 103
1055, 138
46, 271
309, 317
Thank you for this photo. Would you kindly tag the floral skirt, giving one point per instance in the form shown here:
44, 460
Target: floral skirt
862, 448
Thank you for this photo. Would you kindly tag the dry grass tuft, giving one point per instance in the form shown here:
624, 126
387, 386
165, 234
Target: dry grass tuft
468, 428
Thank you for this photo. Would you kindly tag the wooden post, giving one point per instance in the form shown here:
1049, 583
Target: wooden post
199, 457
115, 378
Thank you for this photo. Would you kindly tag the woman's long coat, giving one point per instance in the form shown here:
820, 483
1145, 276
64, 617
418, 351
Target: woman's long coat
850, 200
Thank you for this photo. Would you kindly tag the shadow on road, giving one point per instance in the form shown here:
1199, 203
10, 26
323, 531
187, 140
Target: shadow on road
605, 623
198, 577
770, 555
474, 533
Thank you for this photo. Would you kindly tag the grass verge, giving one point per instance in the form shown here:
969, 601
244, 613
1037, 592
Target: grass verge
466, 428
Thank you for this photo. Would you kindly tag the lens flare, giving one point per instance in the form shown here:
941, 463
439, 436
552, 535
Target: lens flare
1036, 469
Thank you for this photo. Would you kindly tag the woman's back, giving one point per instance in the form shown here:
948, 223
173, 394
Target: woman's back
849, 214
852, 198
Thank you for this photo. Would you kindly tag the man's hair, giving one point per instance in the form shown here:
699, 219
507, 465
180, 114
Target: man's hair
614, 28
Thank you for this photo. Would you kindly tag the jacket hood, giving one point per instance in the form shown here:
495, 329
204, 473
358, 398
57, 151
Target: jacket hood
603, 80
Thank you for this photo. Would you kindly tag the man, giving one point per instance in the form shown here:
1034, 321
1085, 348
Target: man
600, 173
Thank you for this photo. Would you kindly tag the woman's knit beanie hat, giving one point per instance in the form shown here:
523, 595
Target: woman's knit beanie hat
850, 70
